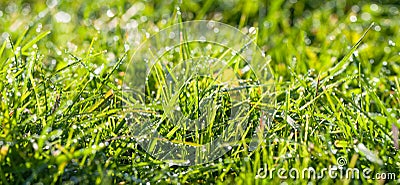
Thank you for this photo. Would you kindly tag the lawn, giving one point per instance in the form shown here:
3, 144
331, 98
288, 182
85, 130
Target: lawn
199, 92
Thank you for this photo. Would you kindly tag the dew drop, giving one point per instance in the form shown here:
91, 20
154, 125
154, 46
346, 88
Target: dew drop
110, 13
51, 3
374, 7
63, 17
391, 43
353, 18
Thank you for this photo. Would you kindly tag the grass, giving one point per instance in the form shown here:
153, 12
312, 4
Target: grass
63, 114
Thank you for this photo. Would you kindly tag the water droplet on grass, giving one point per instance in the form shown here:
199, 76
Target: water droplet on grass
172, 35
353, 18
366, 16
374, 7
63, 17
252, 30
387, 49
35, 146
110, 13
51, 3
377, 28
355, 8
202, 39
394, 10
99, 69
391, 43
10, 78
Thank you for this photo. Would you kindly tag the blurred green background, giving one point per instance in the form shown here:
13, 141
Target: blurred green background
118, 24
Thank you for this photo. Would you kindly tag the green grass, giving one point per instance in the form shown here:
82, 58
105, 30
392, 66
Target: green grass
62, 114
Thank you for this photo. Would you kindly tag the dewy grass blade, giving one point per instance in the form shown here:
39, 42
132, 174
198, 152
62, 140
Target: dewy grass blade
339, 67
34, 41
379, 103
2, 48
23, 35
